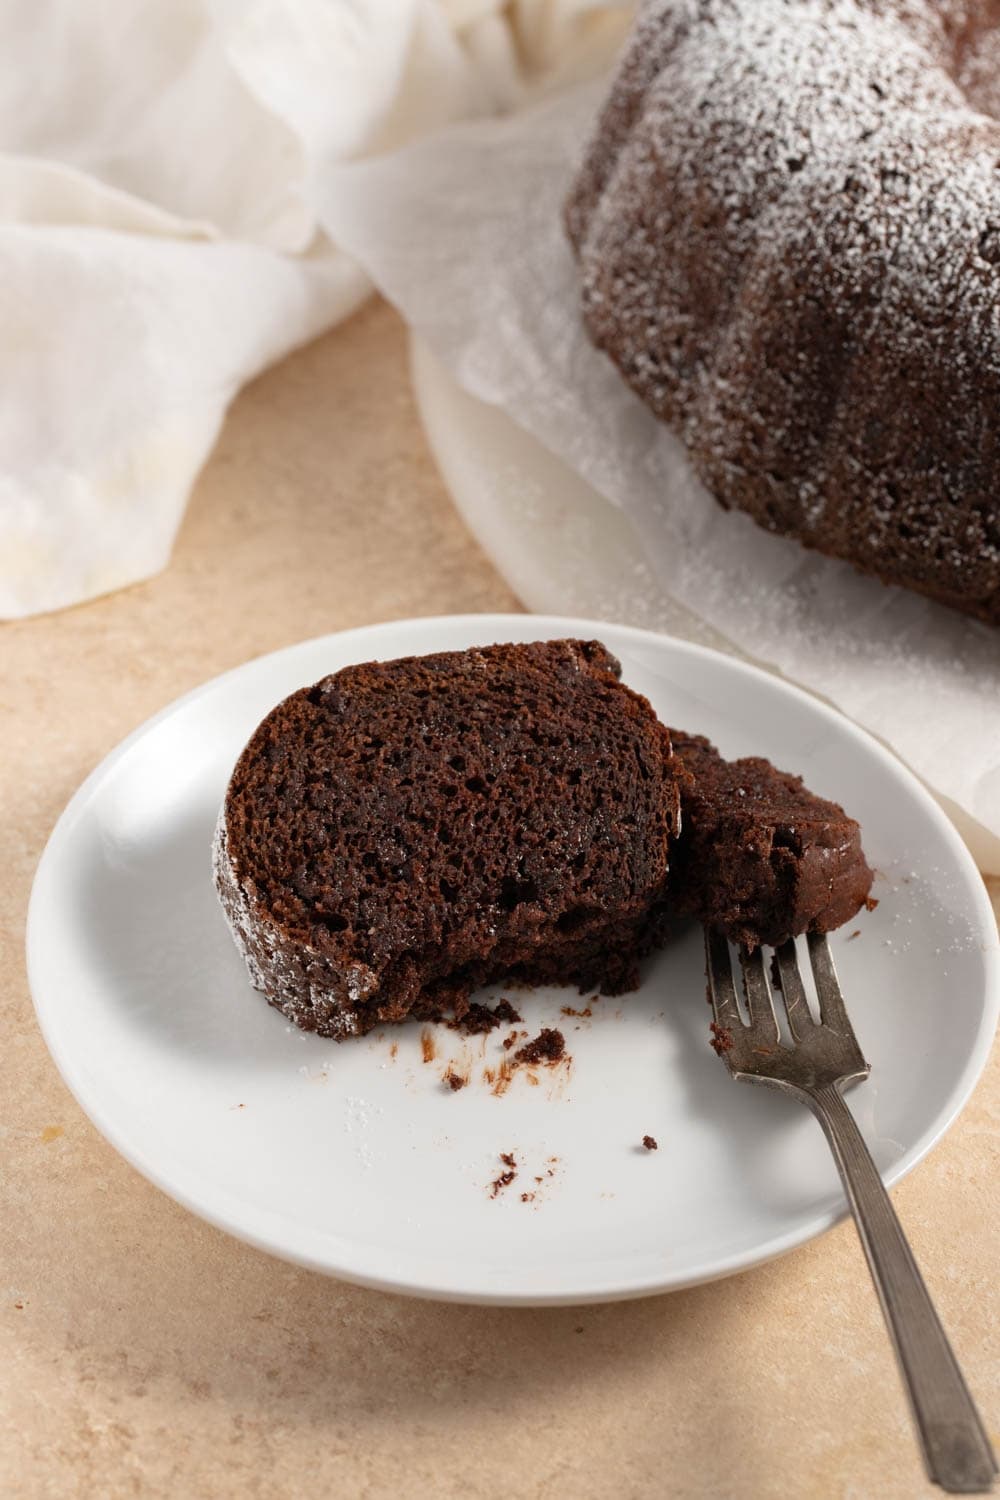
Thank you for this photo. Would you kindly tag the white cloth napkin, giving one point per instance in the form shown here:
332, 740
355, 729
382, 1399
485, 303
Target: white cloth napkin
488, 282
159, 238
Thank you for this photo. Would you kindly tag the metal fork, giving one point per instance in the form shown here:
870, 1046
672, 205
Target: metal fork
825, 1058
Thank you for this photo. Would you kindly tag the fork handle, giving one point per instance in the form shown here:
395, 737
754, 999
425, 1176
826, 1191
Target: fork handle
956, 1450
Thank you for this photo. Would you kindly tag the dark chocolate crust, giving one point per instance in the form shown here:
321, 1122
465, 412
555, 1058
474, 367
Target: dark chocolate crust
760, 857
788, 231
403, 832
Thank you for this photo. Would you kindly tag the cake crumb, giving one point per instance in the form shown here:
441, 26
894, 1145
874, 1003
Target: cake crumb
722, 1038
870, 903
549, 1046
427, 1046
454, 1080
527, 1197
394, 1050
506, 1177
852, 935
567, 1010
479, 1019
649, 1142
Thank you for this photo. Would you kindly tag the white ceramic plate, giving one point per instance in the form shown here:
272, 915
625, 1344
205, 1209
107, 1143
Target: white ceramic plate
357, 1159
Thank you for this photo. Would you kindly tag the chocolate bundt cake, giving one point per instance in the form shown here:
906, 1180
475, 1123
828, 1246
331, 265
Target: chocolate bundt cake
759, 856
788, 232
405, 831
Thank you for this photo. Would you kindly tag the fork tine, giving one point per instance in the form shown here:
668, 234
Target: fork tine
832, 1010
793, 990
721, 985
760, 1002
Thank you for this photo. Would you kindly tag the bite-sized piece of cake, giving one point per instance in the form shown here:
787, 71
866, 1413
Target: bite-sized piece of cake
788, 230
405, 831
760, 857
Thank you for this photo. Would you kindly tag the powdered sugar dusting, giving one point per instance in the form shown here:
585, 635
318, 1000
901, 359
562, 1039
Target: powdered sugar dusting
278, 968
789, 231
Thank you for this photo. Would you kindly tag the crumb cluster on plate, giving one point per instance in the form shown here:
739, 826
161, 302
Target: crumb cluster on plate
404, 832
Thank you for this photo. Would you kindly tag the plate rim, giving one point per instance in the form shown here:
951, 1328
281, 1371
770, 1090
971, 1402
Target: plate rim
73, 1074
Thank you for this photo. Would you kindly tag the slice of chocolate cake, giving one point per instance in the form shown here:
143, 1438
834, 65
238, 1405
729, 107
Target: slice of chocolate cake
760, 857
405, 831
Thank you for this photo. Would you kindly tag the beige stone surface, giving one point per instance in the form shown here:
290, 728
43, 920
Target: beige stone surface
143, 1353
